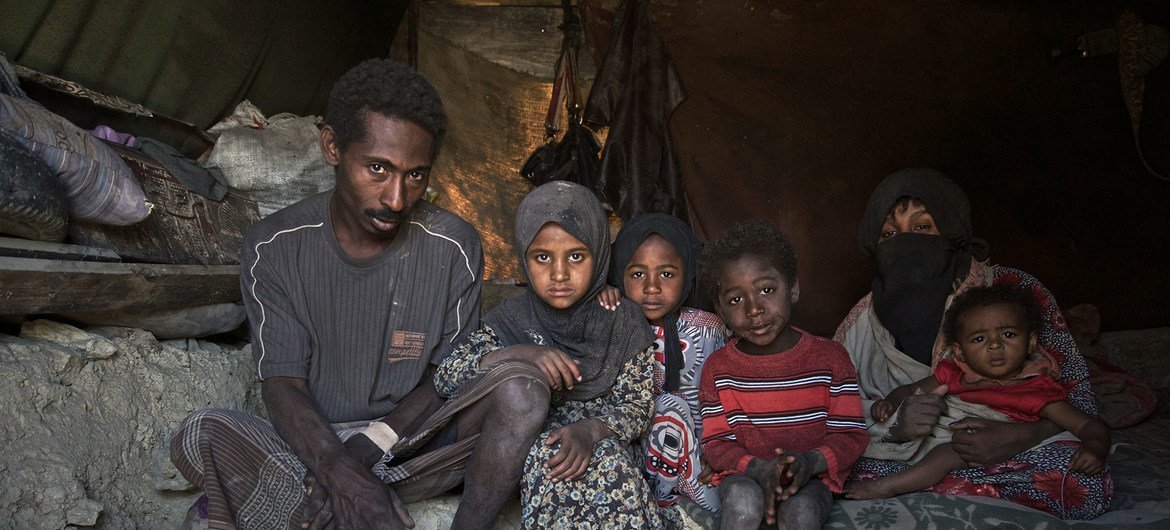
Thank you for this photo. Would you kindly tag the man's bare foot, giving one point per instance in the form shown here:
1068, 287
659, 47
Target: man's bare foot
868, 489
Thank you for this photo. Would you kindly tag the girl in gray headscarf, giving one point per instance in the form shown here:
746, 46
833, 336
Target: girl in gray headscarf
583, 470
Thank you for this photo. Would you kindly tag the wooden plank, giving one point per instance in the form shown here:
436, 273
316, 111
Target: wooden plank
32, 286
26, 248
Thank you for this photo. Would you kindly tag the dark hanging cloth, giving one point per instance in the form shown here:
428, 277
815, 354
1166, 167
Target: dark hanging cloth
688, 247
634, 94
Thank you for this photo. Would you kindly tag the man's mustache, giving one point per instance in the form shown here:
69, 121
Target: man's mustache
386, 214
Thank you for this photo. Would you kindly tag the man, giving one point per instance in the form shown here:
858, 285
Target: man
353, 296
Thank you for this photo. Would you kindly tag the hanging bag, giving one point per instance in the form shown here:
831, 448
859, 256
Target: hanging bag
575, 156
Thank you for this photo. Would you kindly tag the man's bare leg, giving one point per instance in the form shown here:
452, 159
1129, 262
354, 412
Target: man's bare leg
508, 421
925, 473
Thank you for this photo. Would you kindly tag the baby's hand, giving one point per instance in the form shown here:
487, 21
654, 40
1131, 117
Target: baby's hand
881, 410
1086, 461
610, 297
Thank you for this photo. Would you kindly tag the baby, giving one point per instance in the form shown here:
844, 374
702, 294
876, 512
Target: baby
997, 363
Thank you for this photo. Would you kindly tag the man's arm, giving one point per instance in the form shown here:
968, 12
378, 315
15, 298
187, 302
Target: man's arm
408, 416
358, 498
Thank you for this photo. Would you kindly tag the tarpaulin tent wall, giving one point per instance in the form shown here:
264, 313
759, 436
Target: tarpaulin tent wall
796, 110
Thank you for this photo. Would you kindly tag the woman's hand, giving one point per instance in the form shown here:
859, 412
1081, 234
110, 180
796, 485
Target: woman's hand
561, 369
577, 441
918, 414
982, 442
1086, 461
881, 410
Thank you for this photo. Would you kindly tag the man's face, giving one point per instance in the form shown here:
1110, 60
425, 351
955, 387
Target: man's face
380, 178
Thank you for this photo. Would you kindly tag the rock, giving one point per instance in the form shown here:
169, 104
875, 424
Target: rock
84, 513
90, 345
164, 473
86, 417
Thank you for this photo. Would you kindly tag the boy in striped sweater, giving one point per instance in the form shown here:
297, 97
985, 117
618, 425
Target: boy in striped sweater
782, 418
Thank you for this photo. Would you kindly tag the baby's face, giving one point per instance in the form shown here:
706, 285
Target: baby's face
995, 341
654, 278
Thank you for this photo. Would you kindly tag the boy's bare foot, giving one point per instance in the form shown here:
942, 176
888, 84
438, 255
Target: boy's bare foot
868, 489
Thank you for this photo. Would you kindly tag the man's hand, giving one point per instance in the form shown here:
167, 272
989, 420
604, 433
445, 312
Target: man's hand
577, 440
982, 442
316, 499
360, 500
918, 414
355, 497
561, 369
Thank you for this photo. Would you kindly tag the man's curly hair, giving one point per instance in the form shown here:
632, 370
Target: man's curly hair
745, 238
985, 296
389, 88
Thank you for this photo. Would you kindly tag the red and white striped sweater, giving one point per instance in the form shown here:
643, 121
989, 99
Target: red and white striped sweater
800, 399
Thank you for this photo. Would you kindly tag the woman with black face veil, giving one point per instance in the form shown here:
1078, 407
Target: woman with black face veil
917, 227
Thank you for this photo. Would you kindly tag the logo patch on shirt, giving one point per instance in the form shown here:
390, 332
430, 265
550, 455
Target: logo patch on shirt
405, 346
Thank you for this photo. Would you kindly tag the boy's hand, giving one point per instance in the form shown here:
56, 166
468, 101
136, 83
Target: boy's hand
771, 475
800, 467
610, 297
705, 470
577, 440
794, 470
1086, 461
881, 410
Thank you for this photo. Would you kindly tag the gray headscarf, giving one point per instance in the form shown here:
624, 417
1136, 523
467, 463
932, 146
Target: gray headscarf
600, 339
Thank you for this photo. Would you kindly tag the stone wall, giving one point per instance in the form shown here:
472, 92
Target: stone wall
86, 415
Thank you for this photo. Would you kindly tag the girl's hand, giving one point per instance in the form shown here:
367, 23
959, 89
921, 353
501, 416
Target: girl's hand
577, 440
610, 297
1086, 461
561, 370
881, 410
